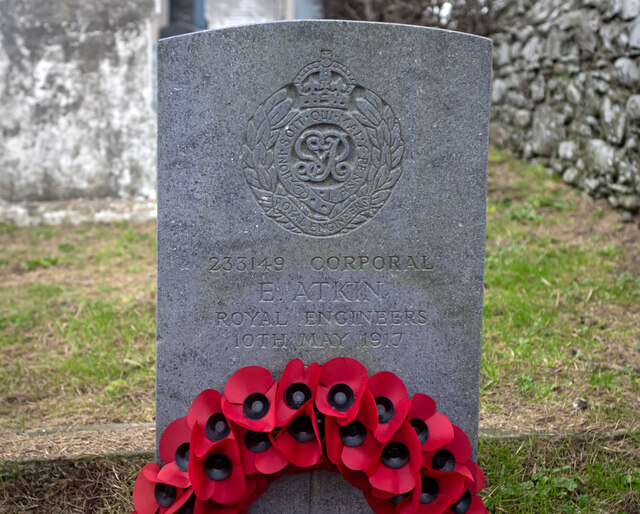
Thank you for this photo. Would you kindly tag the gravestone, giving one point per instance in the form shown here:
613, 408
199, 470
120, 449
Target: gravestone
321, 193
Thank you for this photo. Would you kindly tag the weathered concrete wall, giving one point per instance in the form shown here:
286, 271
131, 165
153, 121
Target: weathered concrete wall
225, 13
566, 90
76, 117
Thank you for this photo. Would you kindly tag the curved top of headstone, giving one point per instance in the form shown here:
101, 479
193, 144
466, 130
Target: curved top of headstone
345, 23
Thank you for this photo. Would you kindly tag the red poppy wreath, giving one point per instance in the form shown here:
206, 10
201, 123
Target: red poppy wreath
399, 451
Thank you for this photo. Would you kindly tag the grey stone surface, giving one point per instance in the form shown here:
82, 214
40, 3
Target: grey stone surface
567, 150
626, 71
573, 94
613, 120
634, 34
498, 89
395, 280
579, 63
570, 175
599, 155
633, 107
630, 9
548, 129
77, 211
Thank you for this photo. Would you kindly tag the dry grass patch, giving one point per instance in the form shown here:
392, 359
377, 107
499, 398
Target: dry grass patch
77, 323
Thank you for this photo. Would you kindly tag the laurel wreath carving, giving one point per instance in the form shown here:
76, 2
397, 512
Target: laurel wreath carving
374, 115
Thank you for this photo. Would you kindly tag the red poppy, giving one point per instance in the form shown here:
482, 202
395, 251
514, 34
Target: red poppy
434, 429
258, 452
206, 411
397, 466
299, 440
431, 494
340, 389
249, 397
354, 444
297, 387
452, 457
357, 479
392, 403
385, 504
478, 477
467, 501
218, 475
256, 485
322, 464
438, 492
174, 451
152, 496
468, 504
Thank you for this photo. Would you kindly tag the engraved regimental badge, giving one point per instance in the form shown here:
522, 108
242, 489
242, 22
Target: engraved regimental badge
322, 155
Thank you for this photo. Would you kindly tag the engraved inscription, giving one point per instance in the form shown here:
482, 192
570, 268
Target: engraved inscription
354, 262
322, 155
245, 264
319, 340
367, 262
316, 312
333, 315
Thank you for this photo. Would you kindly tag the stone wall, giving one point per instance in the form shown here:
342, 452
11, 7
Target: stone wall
566, 91
76, 116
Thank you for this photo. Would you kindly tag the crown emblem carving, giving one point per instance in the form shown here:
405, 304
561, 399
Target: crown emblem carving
325, 83
322, 154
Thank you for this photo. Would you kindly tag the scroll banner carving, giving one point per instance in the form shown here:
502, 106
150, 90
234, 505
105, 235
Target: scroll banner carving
220, 457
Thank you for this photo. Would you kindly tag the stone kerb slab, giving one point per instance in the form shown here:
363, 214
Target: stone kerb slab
322, 193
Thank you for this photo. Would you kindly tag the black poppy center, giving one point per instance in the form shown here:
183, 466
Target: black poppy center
301, 429
217, 427
297, 395
395, 455
341, 397
218, 467
353, 434
463, 504
165, 494
421, 429
182, 457
386, 410
255, 406
257, 442
443, 460
398, 498
428, 490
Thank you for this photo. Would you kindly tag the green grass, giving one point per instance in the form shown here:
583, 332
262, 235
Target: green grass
569, 475
556, 307
77, 337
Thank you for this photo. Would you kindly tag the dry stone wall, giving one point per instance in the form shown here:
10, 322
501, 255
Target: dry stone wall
566, 91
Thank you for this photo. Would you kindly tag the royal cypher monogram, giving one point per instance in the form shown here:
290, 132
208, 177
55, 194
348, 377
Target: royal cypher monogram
322, 155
